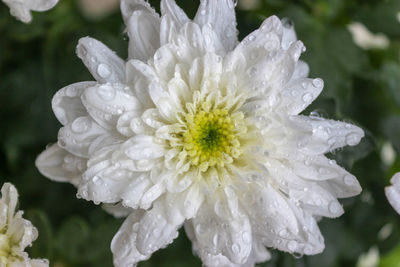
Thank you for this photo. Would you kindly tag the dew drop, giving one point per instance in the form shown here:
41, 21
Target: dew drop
334, 207
235, 248
106, 92
352, 139
81, 125
348, 180
246, 237
103, 70
307, 97
319, 83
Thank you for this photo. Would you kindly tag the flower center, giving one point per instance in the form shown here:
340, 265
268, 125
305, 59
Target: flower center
211, 137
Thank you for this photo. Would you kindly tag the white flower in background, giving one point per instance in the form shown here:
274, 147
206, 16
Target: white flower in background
393, 192
365, 39
96, 9
199, 130
16, 233
369, 259
21, 9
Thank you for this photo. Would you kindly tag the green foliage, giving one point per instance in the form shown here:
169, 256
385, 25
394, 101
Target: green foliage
360, 85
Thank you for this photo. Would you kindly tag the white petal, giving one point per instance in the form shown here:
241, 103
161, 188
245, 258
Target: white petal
139, 76
39, 263
84, 136
221, 15
67, 104
123, 245
117, 210
220, 232
281, 224
144, 34
9, 197
314, 135
104, 65
59, 165
329, 175
130, 6
20, 11
289, 34
179, 17
393, 192
41, 5
156, 230
143, 147
299, 94
107, 102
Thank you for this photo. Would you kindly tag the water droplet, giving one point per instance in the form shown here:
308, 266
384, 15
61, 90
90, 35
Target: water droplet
68, 159
283, 233
235, 248
81, 125
352, 139
252, 71
215, 240
106, 92
319, 83
246, 237
334, 207
349, 180
103, 70
307, 97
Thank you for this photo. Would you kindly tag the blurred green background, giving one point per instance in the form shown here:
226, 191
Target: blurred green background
361, 86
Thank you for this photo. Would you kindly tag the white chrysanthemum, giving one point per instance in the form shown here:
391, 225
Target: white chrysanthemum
21, 9
16, 233
199, 130
393, 192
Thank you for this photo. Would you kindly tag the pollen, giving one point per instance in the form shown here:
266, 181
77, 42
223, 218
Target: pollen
211, 137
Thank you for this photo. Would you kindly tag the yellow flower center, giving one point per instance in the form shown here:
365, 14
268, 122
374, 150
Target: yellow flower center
211, 137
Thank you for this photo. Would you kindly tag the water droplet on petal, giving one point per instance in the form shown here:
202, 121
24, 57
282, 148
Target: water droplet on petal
307, 97
352, 139
81, 125
106, 92
319, 83
103, 70
334, 207
246, 237
235, 248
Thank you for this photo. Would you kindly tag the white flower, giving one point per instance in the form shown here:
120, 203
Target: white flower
366, 39
393, 192
16, 233
199, 130
21, 9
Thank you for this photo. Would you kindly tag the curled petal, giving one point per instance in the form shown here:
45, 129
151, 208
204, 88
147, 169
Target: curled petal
144, 34
107, 102
60, 165
84, 136
67, 104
